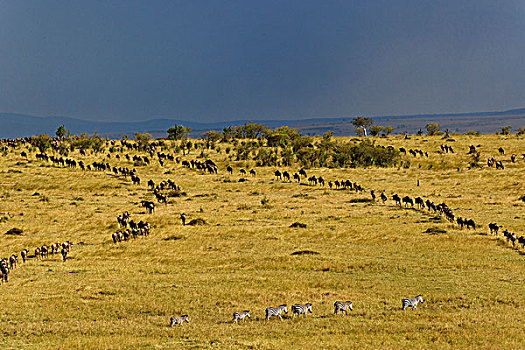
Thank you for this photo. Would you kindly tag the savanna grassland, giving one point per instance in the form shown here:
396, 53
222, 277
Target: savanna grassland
121, 296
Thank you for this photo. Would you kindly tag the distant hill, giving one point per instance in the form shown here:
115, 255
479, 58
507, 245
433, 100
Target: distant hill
20, 125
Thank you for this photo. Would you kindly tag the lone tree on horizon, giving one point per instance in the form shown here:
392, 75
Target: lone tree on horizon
361, 124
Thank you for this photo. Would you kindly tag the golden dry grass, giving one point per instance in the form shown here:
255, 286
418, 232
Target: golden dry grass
110, 296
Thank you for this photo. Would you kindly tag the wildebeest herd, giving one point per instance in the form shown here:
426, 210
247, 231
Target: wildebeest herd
10, 263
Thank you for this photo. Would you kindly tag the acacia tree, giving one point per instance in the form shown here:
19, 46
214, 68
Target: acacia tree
178, 132
388, 130
376, 130
62, 132
142, 140
433, 129
362, 123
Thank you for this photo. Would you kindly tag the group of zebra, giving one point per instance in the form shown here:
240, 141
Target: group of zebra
9, 264
510, 237
129, 228
299, 309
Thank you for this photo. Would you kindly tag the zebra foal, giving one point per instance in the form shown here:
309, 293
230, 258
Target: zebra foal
276, 311
179, 320
241, 316
301, 309
412, 302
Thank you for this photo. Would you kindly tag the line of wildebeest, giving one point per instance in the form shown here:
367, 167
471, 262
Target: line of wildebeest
9, 264
407, 202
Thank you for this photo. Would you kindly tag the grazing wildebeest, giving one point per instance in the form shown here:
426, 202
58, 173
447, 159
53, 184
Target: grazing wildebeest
494, 228
383, 197
501, 151
286, 175
297, 177
151, 184
420, 203
229, 169
397, 199
37, 253
44, 251
470, 224
23, 254
13, 260
150, 206
135, 179
243, 172
252, 172
460, 221
521, 240
277, 174
302, 172
312, 180
407, 200
499, 165
64, 254
402, 150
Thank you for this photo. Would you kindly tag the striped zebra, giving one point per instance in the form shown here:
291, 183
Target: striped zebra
241, 316
301, 309
343, 306
276, 311
412, 302
179, 320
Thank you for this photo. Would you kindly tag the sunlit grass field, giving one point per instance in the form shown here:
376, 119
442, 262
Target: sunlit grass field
108, 296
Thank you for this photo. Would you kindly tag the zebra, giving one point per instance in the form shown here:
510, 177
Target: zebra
241, 315
179, 320
276, 311
412, 302
301, 309
343, 306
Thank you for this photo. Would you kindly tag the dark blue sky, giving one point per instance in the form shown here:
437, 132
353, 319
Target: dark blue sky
227, 60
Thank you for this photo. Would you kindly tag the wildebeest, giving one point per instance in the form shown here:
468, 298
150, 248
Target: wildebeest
499, 165
420, 203
470, 224
302, 172
397, 199
183, 219
23, 254
320, 180
297, 177
501, 151
252, 172
383, 197
286, 175
372, 193
229, 169
150, 206
243, 172
494, 228
407, 200
277, 174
